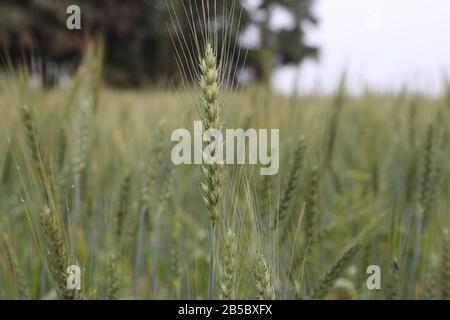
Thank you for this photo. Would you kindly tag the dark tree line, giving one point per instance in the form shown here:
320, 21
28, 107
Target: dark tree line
137, 35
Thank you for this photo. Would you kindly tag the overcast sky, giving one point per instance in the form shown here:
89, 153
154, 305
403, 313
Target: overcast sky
383, 44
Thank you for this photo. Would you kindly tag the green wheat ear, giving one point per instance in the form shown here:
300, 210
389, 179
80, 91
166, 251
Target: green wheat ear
338, 104
55, 253
213, 174
327, 281
13, 267
292, 182
265, 192
311, 210
228, 284
79, 159
122, 211
38, 157
427, 182
112, 278
263, 282
147, 198
393, 284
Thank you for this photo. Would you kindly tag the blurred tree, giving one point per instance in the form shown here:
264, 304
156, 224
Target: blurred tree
34, 29
137, 35
285, 46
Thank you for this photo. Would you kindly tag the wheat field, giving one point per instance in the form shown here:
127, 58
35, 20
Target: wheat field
86, 179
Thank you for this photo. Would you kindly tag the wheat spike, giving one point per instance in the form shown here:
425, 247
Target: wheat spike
56, 254
311, 210
327, 281
228, 283
292, 182
213, 174
123, 208
13, 267
263, 283
112, 278
427, 183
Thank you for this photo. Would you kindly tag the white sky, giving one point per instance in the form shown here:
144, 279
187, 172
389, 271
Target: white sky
382, 44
